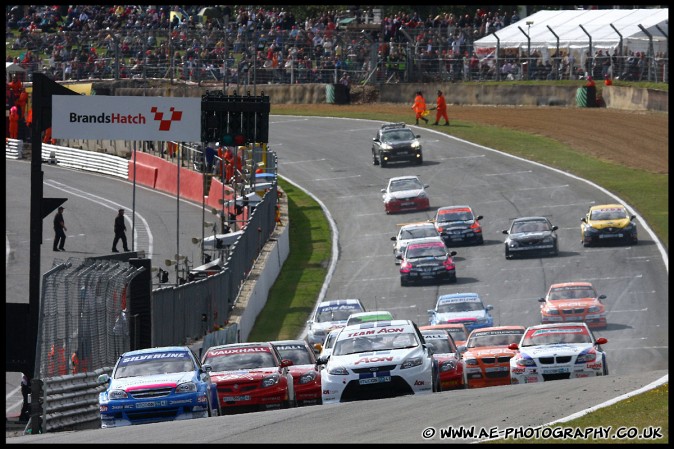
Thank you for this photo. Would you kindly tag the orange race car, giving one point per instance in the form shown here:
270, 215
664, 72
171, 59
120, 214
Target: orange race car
573, 302
487, 356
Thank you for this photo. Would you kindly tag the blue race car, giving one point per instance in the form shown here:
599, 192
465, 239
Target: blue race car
463, 308
157, 384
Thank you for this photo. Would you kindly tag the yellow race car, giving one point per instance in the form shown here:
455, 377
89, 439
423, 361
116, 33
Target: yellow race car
606, 223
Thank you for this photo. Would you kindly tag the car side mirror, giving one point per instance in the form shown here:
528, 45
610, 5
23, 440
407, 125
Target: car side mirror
206, 368
601, 341
489, 307
461, 349
554, 228
103, 378
286, 362
418, 136
383, 190
584, 220
452, 253
430, 312
632, 217
479, 217
426, 186
601, 297
394, 238
513, 346
541, 299
399, 256
505, 231
322, 360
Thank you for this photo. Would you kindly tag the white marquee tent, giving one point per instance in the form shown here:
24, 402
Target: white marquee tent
599, 24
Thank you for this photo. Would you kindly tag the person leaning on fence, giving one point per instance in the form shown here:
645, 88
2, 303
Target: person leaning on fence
419, 107
120, 232
441, 109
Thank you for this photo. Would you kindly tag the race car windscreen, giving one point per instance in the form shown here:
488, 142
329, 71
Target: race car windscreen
369, 343
453, 307
152, 364
295, 353
493, 339
240, 360
335, 313
572, 293
560, 335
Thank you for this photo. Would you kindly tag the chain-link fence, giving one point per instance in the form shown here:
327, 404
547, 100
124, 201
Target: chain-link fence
83, 320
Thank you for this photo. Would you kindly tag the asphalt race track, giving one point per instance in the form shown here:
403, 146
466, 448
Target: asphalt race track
331, 159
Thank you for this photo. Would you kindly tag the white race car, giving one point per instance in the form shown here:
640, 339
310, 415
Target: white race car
330, 314
557, 351
379, 359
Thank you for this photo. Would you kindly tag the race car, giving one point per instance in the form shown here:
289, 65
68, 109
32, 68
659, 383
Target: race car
380, 359
608, 223
531, 235
458, 331
156, 384
325, 349
573, 302
372, 315
306, 376
458, 225
487, 356
250, 377
396, 142
450, 367
405, 193
461, 308
408, 233
557, 351
330, 314
427, 259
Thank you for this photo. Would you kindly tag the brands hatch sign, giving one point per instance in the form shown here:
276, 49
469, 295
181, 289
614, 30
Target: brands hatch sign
126, 118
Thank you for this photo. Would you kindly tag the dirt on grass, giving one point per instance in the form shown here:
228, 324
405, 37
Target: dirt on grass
634, 139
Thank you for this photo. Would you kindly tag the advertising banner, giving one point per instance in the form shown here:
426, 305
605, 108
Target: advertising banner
126, 118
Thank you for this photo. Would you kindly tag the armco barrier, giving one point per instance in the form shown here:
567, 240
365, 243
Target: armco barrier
13, 149
72, 401
106, 164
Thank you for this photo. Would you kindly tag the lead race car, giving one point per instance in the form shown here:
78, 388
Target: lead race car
379, 359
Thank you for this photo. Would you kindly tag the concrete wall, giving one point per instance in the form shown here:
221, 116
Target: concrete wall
504, 94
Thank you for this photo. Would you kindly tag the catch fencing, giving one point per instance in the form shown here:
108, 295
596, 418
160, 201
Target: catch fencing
82, 319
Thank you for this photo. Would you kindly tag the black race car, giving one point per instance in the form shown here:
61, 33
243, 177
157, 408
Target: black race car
531, 235
395, 142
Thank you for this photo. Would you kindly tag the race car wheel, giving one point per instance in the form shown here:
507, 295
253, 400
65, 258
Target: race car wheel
605, 367
420, 160
507, 254
555, 252
375, 161
480, 241
403, 282
382, 162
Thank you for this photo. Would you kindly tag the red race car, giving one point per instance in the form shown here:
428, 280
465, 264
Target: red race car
306, 375
450, 367
250, 377
487, 356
